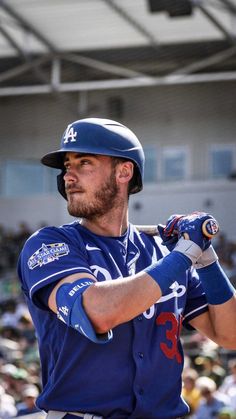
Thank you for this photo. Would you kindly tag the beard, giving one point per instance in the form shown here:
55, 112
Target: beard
103, 201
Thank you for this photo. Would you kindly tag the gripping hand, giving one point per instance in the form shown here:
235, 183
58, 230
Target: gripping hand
199, 227
195, 229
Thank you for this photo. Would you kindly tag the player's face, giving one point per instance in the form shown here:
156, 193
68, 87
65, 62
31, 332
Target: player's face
90, 184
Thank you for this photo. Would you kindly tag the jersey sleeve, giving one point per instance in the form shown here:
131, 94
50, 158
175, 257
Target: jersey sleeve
48, 256
196, 299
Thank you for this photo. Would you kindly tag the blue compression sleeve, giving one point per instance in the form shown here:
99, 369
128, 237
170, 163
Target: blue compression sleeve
216, 284
167, 269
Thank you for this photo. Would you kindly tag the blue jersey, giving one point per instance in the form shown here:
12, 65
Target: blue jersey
137, 374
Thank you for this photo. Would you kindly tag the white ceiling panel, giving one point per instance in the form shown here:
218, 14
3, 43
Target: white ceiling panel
79, 25
59, 44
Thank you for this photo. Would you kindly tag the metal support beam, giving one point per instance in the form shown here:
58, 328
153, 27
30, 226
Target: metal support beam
229, 5
83, 105
131, 21
216, 58
101, 65
56, 73
30, 28
12, 42
12, 12
231, 39
206, 62
138, 82
21, 69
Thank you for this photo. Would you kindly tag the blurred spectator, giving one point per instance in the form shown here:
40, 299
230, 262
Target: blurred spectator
27, 406
225, 250
11, 243
8, 251
9, 346
212, 401
227, 414
228, 386
10, 315
210, 366
25, 325
190, 393
22, 235
7, 405
13, 379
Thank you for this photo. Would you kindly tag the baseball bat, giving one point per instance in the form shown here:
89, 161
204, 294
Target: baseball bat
210, 228
151, 230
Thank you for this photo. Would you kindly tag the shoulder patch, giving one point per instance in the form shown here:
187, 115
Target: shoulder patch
48, 253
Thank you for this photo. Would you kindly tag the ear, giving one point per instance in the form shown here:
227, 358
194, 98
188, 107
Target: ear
125, 171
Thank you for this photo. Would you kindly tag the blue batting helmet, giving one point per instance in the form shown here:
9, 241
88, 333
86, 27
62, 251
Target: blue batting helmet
99, 136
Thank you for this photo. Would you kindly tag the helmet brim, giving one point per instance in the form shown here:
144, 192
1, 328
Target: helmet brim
55, 159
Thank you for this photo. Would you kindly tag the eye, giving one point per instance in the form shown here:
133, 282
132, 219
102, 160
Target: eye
66, 166
84, 162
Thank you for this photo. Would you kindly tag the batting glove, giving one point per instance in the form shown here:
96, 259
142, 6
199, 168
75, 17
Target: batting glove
180, 227
191, 227
173, 240
169, 232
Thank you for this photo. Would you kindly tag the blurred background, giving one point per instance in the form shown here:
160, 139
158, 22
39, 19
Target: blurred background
164, 68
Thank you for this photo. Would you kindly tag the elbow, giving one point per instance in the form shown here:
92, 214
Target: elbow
230, 344
101, 325
102, 320
227, 342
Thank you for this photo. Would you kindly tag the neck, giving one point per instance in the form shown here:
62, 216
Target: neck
112, 224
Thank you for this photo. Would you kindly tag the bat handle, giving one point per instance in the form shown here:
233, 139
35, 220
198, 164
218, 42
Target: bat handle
210, 228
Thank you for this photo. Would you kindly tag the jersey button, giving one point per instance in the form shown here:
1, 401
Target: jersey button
141, 391
140, 318
140, 354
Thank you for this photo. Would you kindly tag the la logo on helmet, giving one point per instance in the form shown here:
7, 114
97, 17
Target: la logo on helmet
70, 135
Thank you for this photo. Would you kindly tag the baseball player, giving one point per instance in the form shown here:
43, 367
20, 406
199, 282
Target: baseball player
108, 301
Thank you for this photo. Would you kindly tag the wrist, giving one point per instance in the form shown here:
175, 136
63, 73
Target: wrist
189, 249
208, 257
168, 269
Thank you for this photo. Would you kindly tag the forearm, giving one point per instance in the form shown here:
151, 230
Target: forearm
220, 295
223, 322
110, 303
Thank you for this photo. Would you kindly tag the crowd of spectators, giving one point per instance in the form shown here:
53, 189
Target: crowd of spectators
19, 361
11, 242
209, 386
20, 381
209, 376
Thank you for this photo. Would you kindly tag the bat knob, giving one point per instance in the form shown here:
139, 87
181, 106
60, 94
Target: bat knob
210, 228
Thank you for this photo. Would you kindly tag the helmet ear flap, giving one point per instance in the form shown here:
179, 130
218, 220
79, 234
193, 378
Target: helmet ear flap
61, 184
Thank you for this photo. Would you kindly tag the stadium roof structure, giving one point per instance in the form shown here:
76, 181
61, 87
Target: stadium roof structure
61, 46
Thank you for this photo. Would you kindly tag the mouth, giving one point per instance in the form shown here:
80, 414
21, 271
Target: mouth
70, 191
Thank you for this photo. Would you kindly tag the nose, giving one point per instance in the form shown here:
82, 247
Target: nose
69, 176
